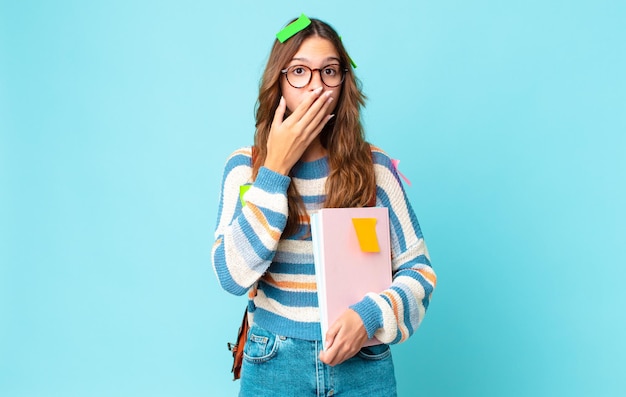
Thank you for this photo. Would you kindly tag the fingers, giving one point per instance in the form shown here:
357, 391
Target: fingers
311, 123
280, 112
289, 137
331, 334
329, 354
344, 338
333, 356
339, 353
311, 111
317, 113
327, 357
304, 106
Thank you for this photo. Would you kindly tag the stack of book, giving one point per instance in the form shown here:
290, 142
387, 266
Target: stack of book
352, 254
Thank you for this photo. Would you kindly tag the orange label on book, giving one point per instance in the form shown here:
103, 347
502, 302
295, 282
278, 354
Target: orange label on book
366, 233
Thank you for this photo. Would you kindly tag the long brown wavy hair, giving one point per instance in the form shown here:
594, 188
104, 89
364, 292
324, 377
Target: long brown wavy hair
351, 181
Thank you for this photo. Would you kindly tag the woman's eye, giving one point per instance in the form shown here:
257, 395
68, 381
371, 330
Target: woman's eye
330, 71
298, 71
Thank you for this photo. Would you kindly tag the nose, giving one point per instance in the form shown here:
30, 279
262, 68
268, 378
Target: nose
316, 80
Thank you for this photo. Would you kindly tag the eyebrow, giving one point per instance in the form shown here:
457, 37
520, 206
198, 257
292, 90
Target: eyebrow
325, 60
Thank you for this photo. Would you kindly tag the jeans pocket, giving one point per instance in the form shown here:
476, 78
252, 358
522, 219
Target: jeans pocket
261, 345
375, 353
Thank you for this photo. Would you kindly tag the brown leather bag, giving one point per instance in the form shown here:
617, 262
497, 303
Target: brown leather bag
237, 348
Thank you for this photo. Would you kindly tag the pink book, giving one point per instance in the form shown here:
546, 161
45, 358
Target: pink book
352, 256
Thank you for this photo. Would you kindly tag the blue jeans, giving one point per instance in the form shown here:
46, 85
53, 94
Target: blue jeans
277, 366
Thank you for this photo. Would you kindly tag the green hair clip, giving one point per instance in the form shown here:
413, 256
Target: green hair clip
351, 61
296, 26
293, 28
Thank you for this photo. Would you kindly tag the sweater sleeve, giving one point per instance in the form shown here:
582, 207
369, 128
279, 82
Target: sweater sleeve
393, 315
246, 236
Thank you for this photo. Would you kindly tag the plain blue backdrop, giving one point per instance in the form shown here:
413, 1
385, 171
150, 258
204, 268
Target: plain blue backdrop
116, 117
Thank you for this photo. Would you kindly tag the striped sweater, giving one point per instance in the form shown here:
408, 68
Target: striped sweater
278, 274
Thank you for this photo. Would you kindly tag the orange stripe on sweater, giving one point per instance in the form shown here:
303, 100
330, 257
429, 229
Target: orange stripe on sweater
259, 216
252, 292
294, 285
428, 276
375, 149
394, 305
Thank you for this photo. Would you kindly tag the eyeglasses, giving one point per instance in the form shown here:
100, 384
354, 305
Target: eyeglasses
299, 76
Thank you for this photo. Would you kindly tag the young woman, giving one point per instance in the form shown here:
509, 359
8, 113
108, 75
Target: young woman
309, 153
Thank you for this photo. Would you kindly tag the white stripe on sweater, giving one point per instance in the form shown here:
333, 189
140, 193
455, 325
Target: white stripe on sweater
238, 265
398, 206
235, 178
310, 187
276, 202
294, 278
389, 330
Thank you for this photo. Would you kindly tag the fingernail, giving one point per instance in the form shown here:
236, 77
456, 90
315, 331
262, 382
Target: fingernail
318, 90
331, 116
328, 93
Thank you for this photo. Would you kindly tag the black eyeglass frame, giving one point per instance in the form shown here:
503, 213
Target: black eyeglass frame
343, 76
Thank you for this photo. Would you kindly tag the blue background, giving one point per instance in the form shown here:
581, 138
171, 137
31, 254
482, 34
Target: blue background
116, 117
